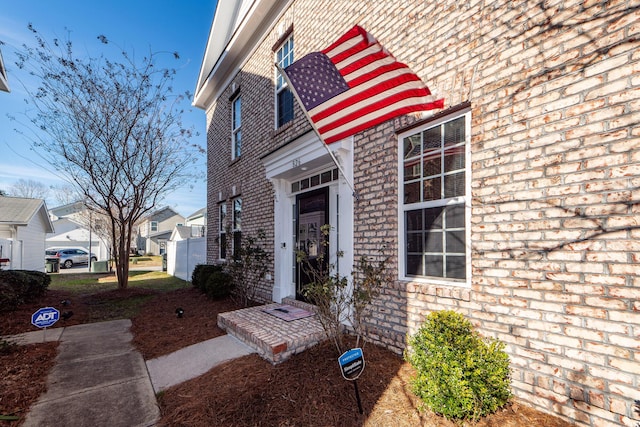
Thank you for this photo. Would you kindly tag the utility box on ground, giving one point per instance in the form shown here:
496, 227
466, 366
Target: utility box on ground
100, 267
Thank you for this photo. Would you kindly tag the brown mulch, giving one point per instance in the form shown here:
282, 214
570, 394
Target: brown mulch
307, 390
18, 320
23, 377
157, 330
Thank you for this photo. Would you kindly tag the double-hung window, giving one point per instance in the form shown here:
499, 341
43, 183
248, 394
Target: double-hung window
237, 225
222, 234
236, 127
434, 205
284, 96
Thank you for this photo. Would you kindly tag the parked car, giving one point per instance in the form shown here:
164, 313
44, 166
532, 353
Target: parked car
68, 257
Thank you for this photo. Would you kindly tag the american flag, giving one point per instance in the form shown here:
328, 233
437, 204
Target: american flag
355, 84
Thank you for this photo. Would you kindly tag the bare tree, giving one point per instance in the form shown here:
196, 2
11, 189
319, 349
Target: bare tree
113, 127
29, 188
65, 194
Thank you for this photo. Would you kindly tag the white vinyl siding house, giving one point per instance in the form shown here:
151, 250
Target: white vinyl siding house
24, 224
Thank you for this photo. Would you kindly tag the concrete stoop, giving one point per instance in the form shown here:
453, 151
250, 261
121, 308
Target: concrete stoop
274, 339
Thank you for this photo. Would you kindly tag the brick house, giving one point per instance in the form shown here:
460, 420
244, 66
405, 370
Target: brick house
516, 205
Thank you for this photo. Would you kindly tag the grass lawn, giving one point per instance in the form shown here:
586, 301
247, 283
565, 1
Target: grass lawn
102, 300
91, 283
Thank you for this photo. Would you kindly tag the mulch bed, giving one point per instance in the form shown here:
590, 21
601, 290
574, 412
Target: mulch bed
157, 329
307, 390
18, 320
23, 377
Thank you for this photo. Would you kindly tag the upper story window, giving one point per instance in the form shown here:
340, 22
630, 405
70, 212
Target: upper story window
284, 96
236, 124
154, 226
434, 207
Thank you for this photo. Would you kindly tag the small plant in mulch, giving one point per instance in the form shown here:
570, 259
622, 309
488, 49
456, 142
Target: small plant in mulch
341, 300
460, 374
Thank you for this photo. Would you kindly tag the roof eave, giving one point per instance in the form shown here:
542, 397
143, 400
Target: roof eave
221, 61
4, 84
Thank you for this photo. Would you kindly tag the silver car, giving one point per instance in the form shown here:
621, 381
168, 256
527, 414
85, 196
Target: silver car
68, 257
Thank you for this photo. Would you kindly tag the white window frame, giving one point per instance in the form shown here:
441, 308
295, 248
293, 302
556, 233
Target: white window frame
236, 127
153, 226
466, 200
283, 60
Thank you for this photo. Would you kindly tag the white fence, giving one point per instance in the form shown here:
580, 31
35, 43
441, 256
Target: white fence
184, 255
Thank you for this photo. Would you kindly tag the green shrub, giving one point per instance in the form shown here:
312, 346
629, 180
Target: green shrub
9, 296
201, 274
460, 375
20, 286
218, 285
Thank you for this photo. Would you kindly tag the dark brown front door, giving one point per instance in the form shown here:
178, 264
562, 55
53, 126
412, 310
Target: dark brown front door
312, 212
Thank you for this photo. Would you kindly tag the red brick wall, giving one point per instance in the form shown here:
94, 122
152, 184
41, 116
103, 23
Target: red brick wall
554, 89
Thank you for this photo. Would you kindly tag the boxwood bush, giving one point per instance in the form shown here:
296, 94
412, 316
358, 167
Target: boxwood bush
218, 285
460, 375
211, 280
201, 273
20, 286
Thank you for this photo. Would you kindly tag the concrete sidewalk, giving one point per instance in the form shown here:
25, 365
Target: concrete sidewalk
193, 361
99, 379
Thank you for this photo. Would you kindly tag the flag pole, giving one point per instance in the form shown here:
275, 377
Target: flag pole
315, 128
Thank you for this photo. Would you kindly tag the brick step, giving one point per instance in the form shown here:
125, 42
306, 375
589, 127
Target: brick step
274, 339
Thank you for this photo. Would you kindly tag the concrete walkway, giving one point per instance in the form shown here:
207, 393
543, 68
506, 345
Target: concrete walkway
99, 379
193, 361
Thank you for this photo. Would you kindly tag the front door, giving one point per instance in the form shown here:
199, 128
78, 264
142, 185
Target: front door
312, 212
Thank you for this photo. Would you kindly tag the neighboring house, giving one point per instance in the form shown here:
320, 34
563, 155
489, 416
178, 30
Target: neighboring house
24, 224
516, 205
186, 247
155, 229
195, 225
71, 222
198, 222
4, 84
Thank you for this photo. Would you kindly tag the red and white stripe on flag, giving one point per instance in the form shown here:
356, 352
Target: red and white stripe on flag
355, 84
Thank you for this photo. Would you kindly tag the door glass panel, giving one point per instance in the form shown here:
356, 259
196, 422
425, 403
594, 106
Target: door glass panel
312, 214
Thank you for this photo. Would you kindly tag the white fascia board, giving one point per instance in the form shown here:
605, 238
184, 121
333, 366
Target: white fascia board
222, 65
4, 84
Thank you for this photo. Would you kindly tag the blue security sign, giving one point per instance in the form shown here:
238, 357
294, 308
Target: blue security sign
45, 317
352, 363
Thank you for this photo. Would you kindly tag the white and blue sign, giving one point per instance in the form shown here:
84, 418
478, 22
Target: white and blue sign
45, 317
352, 364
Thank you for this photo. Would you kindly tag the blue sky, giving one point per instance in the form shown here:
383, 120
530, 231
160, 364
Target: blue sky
134, 25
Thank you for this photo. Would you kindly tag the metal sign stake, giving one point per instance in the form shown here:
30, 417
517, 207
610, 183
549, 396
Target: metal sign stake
355, 385
352, 364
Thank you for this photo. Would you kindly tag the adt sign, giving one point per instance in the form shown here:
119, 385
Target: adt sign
45, 317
